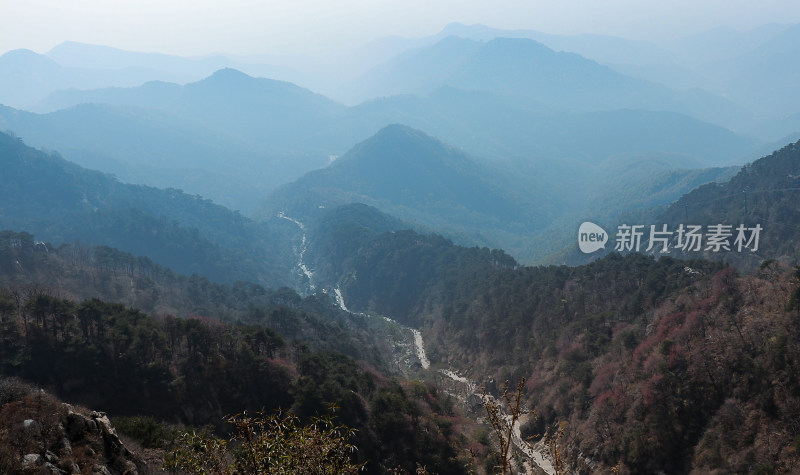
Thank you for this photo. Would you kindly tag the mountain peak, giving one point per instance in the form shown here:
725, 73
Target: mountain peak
73, 46
475, 31
397, 143
228, 81
519, 45
227, 75
26, 58
399, 130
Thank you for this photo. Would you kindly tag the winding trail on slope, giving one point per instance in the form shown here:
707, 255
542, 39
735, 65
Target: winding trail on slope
419, 349
419, 346
533, 455
301, 251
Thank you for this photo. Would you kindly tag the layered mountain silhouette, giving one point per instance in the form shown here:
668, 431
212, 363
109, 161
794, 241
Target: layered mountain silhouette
764, 193
417, 178
229, 137
490, 125
234, 138
522, 67
28, 77
274, 114
255, 109
60, 202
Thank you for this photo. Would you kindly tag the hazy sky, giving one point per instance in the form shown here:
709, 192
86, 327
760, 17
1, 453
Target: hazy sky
194, 27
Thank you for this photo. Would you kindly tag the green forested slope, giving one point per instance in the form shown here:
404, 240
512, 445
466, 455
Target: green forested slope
229, 349
765, 192
61, 202
656, 365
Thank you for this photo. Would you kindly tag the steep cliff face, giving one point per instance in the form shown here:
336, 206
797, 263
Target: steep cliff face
41, 435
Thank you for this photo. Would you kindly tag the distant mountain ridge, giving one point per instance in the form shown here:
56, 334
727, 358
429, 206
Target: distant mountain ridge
227, 99
416, 178
230, 137
61, 202
743, 80
434, 187
234, 138
601, 48
522, 67
27, 77
764, 193
466, 117
91, 56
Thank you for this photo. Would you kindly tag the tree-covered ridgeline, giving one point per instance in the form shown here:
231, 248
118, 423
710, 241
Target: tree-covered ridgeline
198, 370
652, 363
232, 348
61, 202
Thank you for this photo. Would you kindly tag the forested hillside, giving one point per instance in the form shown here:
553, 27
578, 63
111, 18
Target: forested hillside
60, 202
225, 349
417, 178
662, 353
375, 297
616, 347
649, 361
764, 193
197, 370
78, 272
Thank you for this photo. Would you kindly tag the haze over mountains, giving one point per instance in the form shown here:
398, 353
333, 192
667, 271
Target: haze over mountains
548, 130
550, 123
63, 203
234, 138
525, 68
28, 77
393, 230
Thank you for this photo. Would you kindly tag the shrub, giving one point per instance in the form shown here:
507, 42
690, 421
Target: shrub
275, 444
147, 431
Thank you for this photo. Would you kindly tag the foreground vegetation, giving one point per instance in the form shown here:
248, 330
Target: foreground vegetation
633, 364
198, 369
656, 365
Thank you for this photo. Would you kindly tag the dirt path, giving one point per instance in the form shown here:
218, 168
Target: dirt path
301, 251
535, 456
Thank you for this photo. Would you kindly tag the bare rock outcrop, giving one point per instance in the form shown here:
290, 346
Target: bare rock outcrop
39, 434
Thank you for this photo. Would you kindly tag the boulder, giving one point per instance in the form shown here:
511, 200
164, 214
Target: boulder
75, 426
32, 461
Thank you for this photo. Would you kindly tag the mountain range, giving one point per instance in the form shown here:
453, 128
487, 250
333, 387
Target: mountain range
63, 203
417, 178
229, 137
28, 77
525, 68
406, 243
764, 194
234, 138
747, 68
